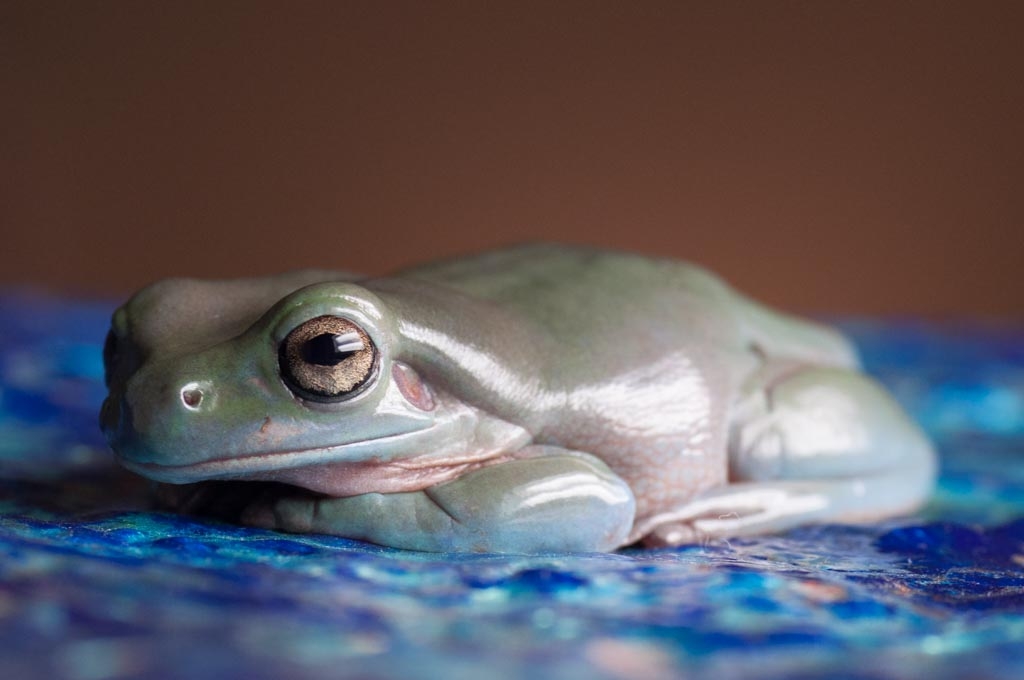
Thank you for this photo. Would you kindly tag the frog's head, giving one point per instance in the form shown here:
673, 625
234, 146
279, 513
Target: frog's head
215, 380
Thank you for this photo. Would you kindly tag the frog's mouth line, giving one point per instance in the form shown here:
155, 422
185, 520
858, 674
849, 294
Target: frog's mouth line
320, 471
266, 461
228, 499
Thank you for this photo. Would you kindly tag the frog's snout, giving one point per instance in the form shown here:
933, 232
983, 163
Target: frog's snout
156, 411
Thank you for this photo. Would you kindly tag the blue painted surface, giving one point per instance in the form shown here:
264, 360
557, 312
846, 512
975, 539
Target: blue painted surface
94, 586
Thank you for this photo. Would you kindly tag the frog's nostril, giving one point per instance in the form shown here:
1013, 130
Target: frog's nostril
192, 396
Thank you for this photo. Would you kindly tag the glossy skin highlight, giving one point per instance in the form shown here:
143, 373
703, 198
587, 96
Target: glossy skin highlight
533, 399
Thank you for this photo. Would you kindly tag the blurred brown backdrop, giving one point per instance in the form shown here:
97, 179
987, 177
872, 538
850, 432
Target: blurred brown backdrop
849, 157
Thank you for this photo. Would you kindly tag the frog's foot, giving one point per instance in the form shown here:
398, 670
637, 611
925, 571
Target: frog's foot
751, 508
547, 499
808, 444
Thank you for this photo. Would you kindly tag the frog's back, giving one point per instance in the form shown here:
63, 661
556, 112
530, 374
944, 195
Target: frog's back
553, 283
567, 288
519, 272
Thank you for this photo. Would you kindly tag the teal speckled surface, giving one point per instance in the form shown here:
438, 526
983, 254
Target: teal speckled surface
95, 586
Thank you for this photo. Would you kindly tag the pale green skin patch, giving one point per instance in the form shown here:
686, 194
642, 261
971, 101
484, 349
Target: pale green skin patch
525, 400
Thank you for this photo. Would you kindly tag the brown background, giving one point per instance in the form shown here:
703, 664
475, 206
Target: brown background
850, 157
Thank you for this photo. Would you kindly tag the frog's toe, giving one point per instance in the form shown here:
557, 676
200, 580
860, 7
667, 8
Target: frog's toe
261, 516
672, 534
295, 513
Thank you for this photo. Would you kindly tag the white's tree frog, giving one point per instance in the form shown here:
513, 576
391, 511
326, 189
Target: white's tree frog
538, 398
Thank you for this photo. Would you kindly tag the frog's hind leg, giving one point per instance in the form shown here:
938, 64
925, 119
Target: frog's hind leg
545, 499
808, 444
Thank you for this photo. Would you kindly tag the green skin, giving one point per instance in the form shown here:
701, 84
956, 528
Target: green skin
525, 400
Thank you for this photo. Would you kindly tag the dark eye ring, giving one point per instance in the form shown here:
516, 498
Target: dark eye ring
327, 358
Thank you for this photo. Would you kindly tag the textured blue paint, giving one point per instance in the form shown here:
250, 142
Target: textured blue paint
94, 586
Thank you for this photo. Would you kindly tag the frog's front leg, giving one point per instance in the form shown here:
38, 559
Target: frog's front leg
807, 444
547, 499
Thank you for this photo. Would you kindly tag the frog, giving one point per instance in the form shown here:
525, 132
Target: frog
530, 399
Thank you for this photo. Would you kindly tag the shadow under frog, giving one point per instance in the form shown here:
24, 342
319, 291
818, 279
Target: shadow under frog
539, 398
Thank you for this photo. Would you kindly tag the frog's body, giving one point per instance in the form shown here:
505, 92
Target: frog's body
536, 398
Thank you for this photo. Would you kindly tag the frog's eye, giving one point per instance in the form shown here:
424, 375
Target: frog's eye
327, 358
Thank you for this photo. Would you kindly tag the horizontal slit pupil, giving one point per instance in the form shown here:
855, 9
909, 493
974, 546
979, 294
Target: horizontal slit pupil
323, 350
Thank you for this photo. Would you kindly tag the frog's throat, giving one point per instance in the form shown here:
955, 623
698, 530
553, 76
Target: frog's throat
340, 470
